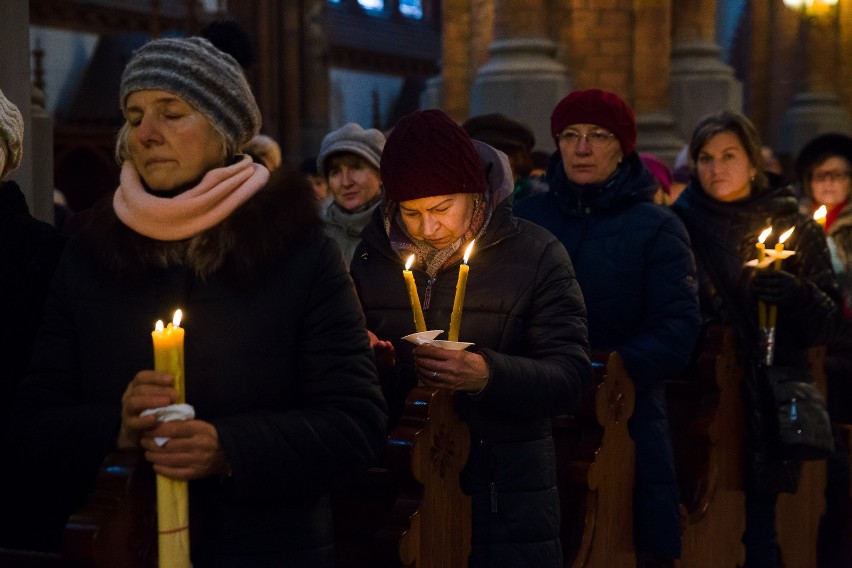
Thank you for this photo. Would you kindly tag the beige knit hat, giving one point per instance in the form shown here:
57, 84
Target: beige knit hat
11, 134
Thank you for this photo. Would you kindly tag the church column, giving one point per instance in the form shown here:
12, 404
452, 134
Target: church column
522, 78
701, 83
16, 84
466, 33
816, 108
651, 68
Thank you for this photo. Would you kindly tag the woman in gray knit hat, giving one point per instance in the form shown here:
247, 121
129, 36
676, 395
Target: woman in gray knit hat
278, 363
349, 159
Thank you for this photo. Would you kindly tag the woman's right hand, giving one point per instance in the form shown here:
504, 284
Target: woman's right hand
383, 350
148, 389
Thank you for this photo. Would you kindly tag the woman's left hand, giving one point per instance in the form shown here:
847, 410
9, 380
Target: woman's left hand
449, 369
192, 451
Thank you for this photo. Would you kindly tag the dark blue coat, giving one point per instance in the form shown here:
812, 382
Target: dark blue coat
635, 267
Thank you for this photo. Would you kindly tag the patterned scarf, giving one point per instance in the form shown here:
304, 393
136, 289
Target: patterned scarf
431, 259
216, 196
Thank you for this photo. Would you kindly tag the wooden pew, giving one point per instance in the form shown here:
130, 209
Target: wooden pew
706, 417
798, 514
411, 511
595, 459
115, 528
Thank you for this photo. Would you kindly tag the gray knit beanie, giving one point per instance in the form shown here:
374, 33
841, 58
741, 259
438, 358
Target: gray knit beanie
11, 134
210, 80
352, 138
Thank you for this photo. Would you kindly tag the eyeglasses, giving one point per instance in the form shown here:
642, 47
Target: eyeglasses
831, 175
595, 138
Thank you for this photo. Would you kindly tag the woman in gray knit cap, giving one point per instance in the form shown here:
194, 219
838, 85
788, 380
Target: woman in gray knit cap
278, 364
349, 159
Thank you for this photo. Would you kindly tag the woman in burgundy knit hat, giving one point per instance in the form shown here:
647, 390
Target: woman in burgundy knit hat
523, 312
637, 273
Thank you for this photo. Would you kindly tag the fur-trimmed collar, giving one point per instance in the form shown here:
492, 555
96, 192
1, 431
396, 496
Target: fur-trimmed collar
241, 248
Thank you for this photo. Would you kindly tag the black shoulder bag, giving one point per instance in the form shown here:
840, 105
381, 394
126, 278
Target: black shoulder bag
804, 427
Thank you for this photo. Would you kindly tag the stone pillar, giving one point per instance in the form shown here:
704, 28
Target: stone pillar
816, 108
701, 83
467, 32
651, 67
522, 78
314, 96
16, 84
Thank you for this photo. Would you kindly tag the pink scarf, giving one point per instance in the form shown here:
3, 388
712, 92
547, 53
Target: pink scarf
197, 209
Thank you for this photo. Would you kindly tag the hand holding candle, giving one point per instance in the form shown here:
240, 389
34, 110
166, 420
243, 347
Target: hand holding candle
458, 302
172, 495
413, 297
779, 258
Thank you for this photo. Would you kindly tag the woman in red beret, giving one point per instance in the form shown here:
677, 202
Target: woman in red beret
523, 312
637, 274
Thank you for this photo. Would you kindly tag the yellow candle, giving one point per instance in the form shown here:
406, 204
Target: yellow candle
779, 248
761, 256
168, 351
820, 215
458, 301
172, 495
761, 248
413, 298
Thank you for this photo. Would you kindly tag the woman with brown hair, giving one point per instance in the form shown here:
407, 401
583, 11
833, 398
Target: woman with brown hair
727, 204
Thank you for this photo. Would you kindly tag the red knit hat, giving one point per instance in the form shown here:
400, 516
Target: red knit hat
428, 154
595, 106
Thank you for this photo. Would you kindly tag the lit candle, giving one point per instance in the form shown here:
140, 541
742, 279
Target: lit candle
458, 302
419, 322
820, 214
172, 495
761, 256
761, 248
779, 248
168, 351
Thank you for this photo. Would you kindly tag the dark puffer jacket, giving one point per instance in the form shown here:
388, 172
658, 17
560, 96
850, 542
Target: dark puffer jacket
525, 314
637, 274
277, 359
724, 236
29, 252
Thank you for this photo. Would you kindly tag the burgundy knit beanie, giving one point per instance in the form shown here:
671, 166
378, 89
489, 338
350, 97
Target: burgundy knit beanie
428, 154
598, 107
659, 169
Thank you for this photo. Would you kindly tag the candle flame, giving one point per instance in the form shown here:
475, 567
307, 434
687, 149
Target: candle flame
468, 251
786, 235
158, 326
177, 317
409, 262
764, 234
820, 213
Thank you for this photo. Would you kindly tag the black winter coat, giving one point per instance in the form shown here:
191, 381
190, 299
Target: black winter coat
525, 314
277, 359
637, 273
29, 252
724, 236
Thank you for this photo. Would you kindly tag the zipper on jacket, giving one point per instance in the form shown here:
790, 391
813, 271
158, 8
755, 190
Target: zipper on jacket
427, 294
493, 497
